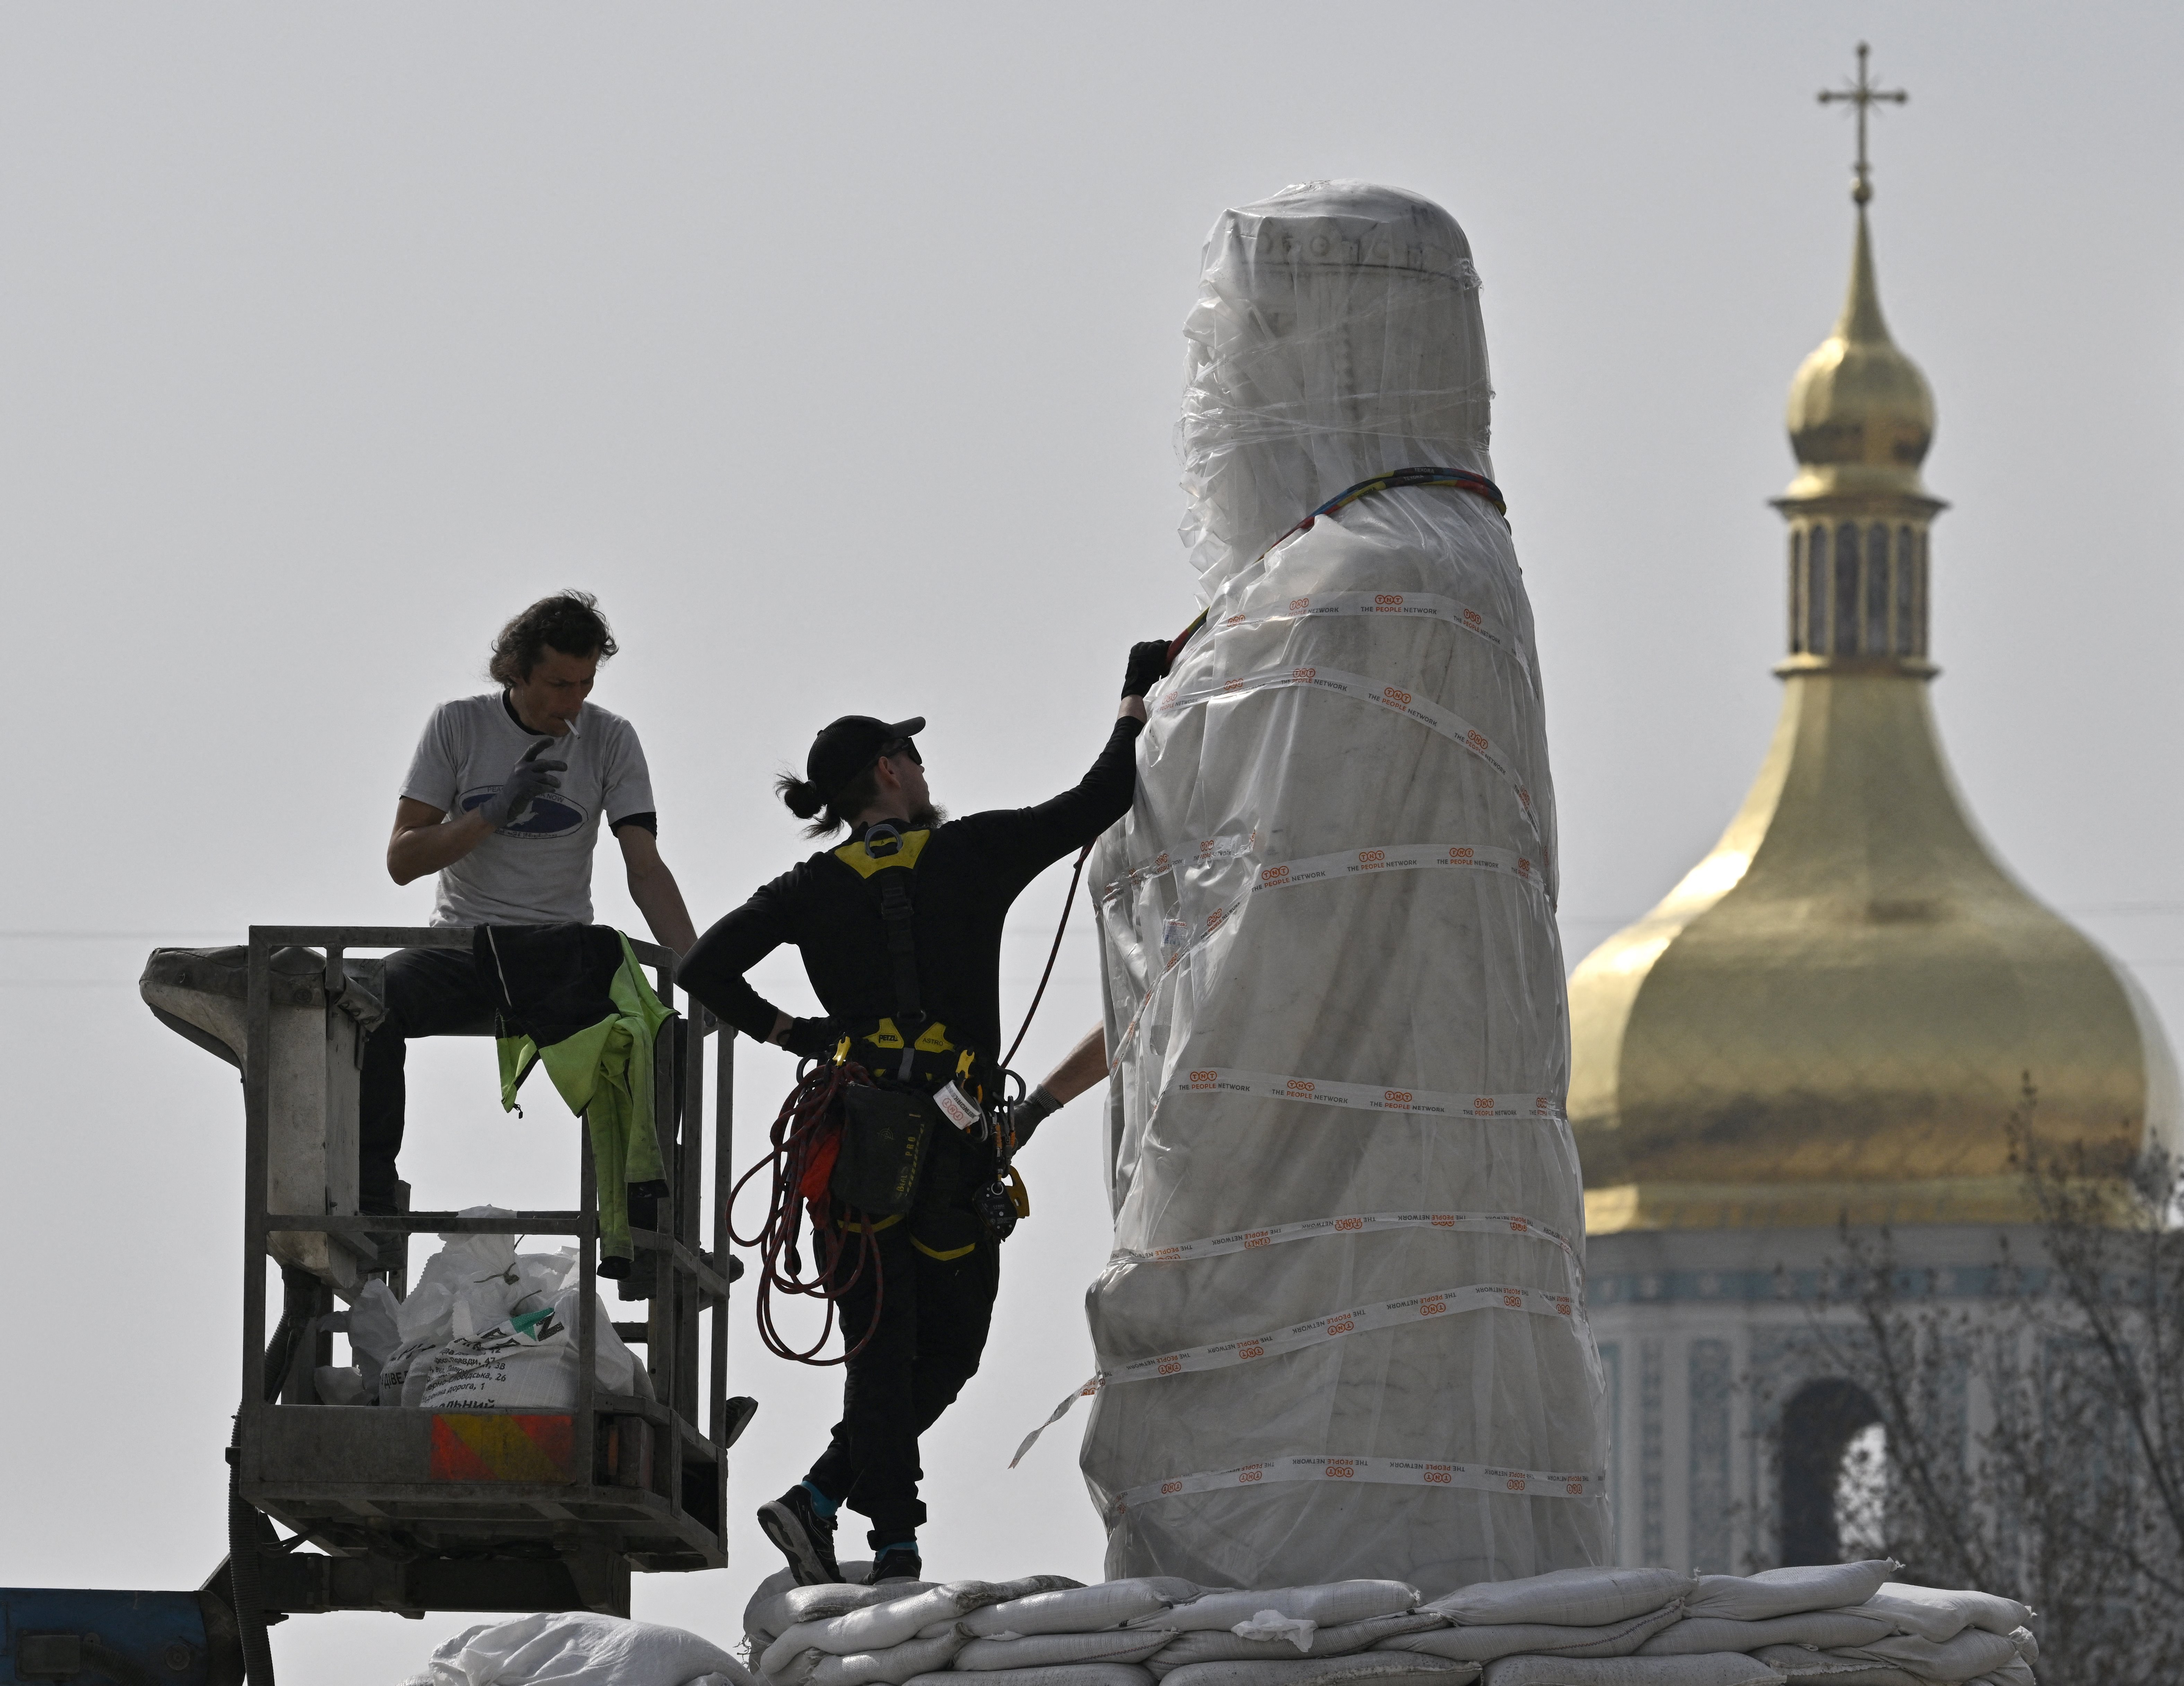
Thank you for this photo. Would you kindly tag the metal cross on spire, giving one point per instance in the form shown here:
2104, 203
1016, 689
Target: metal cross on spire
1862, 93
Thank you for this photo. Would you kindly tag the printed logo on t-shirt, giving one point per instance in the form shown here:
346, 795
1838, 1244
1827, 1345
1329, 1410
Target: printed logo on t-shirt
548, 815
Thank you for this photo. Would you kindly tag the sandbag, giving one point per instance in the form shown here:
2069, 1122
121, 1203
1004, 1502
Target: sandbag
1973, 1652
778, 1603
1070, 1674
893, 1665
1787, 1591
1491, 1642
1327, 1605
1565, 1597
1990, 1611
1081, 1610
340, 1384
578, 1648
876, 1626
1046, 1650
1370, 1666
530, 1362
374, 1333
1722, 1669
402, 1379
1826, 1629
1345, 1638
1831, 1668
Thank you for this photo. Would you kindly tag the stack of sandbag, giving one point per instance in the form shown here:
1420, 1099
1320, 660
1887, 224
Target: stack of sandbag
1838, 1625
484, 1328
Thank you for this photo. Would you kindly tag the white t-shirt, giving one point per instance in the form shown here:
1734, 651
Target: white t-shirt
538, 869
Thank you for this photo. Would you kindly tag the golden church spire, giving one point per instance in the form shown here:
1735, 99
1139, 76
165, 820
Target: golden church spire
1834, 1014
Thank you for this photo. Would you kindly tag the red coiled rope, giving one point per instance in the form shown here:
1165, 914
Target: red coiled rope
805, 1137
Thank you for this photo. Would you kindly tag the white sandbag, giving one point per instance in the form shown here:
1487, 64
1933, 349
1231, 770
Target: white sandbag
878, 1626
1722, 1669
1494, 1640
893, 1665
339, 1384
1990, 1611
1825, 1629
577, 1648
1081, 1610
1271, 1624
374, 1333
402, 1381
1345, 1638
1832, 1668
778, 1603
1973, 1652
1368, 1667
530, 1362
1565, 1597
1787, 1591
1334, 1602
1070, 1674
1048, 1650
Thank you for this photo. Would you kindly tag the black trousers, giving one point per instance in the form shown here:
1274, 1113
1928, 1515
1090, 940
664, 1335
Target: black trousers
933, 1316
430, 992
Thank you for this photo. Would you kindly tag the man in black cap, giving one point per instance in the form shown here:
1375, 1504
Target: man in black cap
924, 1014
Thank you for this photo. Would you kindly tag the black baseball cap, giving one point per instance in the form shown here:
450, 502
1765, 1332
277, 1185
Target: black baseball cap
846, 747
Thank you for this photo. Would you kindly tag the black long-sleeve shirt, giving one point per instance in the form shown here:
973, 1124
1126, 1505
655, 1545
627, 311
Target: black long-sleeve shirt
968, 874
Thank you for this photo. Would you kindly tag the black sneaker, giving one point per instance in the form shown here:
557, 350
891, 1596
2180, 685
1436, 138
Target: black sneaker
896, 1563
805, 1538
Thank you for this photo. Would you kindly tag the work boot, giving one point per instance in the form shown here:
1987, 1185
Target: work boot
896, 1563
805, 1538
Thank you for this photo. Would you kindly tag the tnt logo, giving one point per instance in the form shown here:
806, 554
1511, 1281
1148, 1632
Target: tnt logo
1232, 685
1160, 861
1444, 1220
1167, 1487
1394, 698
1519, 1225
1299, 604
1523, 796
1387, 600
1477, 740
1273, 875
1250, 1472
1515, 1302
1524, 867
1561, 1306
1168, 1366
1204, 1079
1259, 1238
1232, 620
1168, 1255
1471, 618
1515, 1483
1303, 676
1440, 1477
1349, 1223
1372, 857
1394, 1097
1482, 1105
1340, 1472
1300, 1086
1543, 1106
1250, 1350
1213, 920
1433, 1305
1460, 857
1341, 1326
1575, 1489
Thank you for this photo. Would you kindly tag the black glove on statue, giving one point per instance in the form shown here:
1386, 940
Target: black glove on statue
1148, 663
527, 779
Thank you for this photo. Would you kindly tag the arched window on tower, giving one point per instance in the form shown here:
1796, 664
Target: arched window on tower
1796, 591
1906, 574
1835, 1475
1876, 589
1816, 591
1922, 616
1846, 616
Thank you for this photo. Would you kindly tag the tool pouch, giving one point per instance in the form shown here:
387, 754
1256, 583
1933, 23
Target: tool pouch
884, 1131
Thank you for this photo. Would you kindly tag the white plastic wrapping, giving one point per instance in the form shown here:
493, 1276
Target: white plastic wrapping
1334, 986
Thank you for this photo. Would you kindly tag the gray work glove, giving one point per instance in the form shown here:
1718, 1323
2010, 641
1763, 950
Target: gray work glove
527, 779
1032, 1111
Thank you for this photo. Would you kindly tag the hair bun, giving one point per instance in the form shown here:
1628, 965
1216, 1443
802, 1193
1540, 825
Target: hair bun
804, 798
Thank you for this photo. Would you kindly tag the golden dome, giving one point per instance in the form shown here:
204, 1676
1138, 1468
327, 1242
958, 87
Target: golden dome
1861, 415
1840, 1012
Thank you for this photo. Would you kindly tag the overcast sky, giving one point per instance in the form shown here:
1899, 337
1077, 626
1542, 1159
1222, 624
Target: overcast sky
837, 348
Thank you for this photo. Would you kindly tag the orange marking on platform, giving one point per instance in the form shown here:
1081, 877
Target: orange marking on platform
530, 1447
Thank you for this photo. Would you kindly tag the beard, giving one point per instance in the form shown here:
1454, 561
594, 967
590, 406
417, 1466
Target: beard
929, 817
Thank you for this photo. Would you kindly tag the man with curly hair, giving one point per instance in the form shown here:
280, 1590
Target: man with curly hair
504, 800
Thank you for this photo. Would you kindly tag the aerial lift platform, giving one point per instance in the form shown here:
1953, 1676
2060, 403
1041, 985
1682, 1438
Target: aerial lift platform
406, 1510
